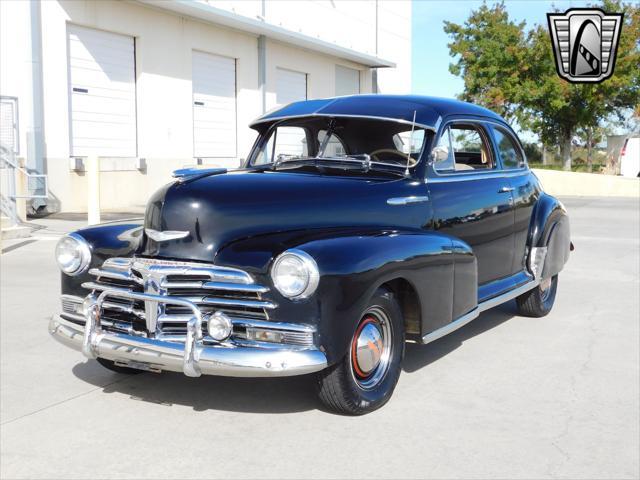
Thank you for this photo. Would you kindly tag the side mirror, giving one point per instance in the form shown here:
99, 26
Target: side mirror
440, 153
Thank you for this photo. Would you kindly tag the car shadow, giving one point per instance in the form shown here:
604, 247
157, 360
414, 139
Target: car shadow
263, 395
418, 356
254, 395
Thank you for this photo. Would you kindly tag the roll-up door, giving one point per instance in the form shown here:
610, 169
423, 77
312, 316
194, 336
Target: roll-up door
214, 106
102, 78
290, 86
347, 81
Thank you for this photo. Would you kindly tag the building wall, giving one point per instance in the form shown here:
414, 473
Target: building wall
164, 43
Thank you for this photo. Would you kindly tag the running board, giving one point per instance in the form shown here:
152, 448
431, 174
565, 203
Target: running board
486, 305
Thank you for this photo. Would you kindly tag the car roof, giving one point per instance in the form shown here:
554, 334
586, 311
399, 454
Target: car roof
429, 111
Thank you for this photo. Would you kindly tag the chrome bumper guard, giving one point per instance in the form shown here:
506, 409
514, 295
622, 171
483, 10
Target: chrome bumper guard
193, 358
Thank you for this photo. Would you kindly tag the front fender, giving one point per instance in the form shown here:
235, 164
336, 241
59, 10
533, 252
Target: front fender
440, 269
106, 241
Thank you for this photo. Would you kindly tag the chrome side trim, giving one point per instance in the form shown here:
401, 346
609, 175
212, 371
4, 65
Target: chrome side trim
451, 327
505, 297
407, 200
483, 306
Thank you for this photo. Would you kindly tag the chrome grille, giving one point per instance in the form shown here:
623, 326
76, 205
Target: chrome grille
211, 288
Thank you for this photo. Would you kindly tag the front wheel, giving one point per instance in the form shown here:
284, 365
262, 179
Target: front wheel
367, 375
538, 301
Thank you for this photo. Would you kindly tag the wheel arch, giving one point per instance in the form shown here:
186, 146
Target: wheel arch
549, 241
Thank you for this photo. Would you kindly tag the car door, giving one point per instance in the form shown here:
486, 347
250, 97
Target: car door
525, 193
471, 198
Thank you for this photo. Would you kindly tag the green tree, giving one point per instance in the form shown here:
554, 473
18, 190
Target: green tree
523, 83
488, 49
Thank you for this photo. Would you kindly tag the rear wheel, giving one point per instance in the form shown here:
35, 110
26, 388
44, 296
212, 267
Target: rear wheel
367, 375
109, 365
538, 301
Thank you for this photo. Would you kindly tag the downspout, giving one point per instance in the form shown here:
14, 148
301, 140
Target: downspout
35, 115
262, 61
262, 71
374, 71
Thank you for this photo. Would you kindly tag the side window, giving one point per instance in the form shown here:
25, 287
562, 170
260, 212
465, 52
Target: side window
286, 142
508, 149
466, 150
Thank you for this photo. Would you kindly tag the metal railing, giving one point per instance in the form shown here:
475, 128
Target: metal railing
36, 184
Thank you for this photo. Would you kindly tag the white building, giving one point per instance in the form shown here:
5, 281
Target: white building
152, 86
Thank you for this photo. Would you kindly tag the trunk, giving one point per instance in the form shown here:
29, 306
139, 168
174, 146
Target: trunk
589, 147
545, 160
566, 152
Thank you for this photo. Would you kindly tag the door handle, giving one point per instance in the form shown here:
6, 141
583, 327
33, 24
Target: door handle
505, 190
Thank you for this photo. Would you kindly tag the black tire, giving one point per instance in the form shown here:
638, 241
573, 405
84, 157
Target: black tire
538, 302
109, 365
338, 386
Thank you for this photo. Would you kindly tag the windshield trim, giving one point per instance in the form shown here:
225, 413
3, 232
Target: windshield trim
264, 138
340, 115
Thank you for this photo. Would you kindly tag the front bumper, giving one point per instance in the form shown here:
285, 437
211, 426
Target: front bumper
156, 355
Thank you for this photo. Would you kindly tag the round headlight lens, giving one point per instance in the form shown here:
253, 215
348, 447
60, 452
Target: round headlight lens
73, 254
295, 274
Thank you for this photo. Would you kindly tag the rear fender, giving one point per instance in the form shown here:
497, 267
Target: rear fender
549, 240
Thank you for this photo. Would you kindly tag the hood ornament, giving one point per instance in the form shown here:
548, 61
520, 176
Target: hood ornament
166, 235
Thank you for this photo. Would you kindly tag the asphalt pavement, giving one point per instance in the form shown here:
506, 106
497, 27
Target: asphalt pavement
503, 397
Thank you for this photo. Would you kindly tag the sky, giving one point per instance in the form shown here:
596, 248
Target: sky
430, 55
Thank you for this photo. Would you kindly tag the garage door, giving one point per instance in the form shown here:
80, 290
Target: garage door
347, 81
290, 86
214, 106
102, 79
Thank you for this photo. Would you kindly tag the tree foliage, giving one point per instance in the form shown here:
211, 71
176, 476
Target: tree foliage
512, 71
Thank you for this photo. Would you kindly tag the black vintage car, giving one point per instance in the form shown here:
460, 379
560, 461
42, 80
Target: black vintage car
356, 224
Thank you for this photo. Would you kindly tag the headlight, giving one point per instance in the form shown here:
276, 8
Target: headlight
73, 254
295, 274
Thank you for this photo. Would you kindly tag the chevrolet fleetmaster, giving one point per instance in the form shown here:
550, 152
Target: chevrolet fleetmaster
355, 225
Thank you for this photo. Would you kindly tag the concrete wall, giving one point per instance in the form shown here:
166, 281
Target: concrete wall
579, 184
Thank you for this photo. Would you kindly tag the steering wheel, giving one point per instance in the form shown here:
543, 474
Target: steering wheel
374, 154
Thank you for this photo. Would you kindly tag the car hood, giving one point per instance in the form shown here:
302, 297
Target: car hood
219, 209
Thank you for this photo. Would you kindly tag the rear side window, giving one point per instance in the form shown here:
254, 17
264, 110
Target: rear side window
508, 149
463, 148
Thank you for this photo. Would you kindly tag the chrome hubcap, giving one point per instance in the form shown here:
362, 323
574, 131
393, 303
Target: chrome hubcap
371, 348
368, 348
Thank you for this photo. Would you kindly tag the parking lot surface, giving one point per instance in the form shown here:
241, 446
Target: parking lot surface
505, 396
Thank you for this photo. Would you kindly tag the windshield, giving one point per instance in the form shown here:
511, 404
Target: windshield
378, 141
